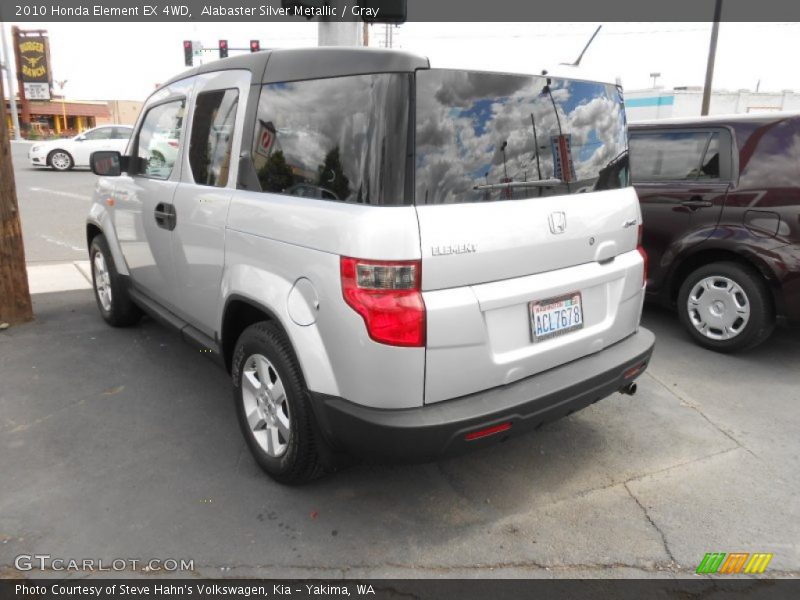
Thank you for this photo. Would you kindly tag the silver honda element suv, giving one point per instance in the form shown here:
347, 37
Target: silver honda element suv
393, 262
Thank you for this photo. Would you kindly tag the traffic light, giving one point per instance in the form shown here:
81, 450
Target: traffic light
255, 45
187, 52
223, 48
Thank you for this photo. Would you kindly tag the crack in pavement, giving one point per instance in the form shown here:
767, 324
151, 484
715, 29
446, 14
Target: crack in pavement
653, 523
20, 427
696, 407
642, 476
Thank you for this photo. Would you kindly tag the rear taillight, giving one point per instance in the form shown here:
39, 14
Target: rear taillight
387, 295
641, 250
173, 143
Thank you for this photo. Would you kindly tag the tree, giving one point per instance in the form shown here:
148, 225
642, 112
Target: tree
276, 175
15, 298
330, 175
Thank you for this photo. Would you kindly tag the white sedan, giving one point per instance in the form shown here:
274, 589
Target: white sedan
66, 153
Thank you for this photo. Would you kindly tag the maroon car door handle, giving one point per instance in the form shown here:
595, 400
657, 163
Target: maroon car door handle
696, 202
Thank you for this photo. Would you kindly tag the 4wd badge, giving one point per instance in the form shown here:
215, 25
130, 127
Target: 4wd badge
558, 222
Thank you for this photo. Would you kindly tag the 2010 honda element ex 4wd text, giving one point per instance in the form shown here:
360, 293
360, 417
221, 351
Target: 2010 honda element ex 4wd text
394, 262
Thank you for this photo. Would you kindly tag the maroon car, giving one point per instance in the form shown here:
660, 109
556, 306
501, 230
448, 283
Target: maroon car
720, 199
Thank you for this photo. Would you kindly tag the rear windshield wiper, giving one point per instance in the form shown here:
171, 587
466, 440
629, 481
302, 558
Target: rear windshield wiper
518, 184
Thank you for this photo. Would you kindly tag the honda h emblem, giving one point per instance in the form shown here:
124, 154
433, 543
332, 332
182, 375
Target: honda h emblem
558, 222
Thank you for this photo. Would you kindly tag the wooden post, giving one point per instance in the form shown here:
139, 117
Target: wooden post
15, 298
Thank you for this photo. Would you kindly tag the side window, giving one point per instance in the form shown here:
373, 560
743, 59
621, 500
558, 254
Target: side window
159, 138
342, 139
104, 133
212, 136
709, 169
675, 156
122, 133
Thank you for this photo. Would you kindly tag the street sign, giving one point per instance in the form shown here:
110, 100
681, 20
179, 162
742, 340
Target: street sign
37, 91
34, 57
266, 139
197, 48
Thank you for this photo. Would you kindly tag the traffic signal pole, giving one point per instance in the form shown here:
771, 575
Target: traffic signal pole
15, 298
339, 33
335, 32
11, 98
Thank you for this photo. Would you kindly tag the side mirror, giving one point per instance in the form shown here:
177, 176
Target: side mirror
80, 138
107, 163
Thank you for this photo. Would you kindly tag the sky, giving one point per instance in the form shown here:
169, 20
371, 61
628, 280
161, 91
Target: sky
127, 60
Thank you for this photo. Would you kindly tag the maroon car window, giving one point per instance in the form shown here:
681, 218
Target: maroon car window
674, 156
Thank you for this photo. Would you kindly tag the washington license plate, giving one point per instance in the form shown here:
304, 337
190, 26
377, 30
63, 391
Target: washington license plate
555, 316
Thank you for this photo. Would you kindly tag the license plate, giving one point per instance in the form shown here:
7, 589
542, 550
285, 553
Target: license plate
555, 316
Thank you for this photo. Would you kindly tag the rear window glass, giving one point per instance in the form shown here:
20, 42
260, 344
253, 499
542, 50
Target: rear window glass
342, 139
493, 136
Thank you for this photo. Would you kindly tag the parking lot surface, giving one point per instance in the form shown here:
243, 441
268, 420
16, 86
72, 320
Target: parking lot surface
123, 443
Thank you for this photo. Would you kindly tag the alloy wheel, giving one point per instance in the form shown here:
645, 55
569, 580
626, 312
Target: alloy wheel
102, 281
60, 160
266, 405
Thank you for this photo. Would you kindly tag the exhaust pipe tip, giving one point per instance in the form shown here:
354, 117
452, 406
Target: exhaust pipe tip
629, 390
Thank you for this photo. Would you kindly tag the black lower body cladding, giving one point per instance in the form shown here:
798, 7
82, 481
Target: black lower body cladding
443, 429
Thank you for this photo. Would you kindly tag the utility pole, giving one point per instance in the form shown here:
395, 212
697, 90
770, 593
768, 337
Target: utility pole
11, 98
712, 53
15, 297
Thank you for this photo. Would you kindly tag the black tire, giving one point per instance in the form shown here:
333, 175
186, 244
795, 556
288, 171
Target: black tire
300, 461
761, 319
120, 311
58, 165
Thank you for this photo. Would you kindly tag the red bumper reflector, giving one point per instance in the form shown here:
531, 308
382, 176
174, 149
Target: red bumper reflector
481, 433
634, 371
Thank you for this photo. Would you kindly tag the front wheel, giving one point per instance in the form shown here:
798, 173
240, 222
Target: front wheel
726, 307
60, 160
272, 405
110, 291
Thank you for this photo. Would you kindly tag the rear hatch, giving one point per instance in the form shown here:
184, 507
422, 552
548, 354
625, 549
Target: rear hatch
528, 225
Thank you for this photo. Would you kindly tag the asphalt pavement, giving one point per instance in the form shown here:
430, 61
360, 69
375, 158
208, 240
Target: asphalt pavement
53, 208
123, 443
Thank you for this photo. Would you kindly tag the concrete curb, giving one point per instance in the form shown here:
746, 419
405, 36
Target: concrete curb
59, 277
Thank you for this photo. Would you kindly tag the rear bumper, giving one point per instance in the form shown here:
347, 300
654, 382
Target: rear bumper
437, 430
785, 264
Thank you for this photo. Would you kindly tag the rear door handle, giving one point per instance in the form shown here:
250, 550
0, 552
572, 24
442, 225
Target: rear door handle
166, 218
696, 202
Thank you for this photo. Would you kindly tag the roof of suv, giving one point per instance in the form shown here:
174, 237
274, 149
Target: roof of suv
714, 120
312, 63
